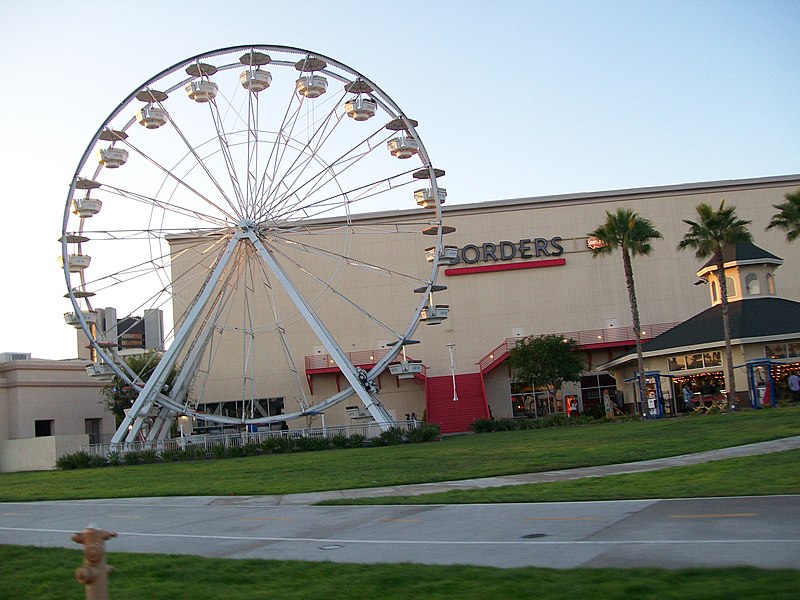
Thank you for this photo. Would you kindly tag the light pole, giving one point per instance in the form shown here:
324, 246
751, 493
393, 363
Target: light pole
451, 347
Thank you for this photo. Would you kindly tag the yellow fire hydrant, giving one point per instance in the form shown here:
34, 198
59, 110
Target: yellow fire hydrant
93, 573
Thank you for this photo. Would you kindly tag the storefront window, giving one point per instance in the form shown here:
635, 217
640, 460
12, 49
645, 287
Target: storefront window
677, 363
694, 361
775, 351
712, 359
705, 360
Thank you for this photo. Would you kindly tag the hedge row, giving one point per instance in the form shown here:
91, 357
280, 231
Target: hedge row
271, 445
556, 420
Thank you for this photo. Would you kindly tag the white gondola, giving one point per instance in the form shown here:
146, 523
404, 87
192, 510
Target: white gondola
99, 370
402, 147
255, 80
71, 318
360, 109
151, 116
77, 262
86, 207
433, 315
111, 157
201, 90
311, 86
406, 369
425, 199
448, 255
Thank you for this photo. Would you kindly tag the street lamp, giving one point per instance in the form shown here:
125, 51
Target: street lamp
451, 347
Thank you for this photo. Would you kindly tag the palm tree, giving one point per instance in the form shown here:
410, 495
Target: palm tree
788, 218
632, 234
708, 237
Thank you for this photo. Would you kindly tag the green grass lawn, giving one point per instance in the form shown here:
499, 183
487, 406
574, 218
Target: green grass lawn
458, 457
769, 474
47, 573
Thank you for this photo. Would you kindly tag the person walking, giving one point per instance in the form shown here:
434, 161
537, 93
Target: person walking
794, 386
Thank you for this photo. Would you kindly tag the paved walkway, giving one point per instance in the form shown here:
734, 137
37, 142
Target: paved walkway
790, 443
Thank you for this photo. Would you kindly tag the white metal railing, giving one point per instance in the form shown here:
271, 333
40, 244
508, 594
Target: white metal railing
368, 430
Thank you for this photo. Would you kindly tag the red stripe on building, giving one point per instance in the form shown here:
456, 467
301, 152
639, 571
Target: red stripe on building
531, 264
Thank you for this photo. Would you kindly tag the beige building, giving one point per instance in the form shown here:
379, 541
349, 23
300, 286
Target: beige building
524, 268
47, 408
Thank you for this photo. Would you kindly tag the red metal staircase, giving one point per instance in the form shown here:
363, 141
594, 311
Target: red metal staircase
455, 417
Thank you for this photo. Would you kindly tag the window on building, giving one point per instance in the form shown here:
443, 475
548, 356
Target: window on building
770, 283
703, 360
93, 428
730, 284
776, 351
751, 284
788, 350
677, 363
43, 427
714, 291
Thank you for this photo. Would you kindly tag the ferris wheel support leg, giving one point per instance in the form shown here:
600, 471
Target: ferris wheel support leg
162, 424
132, 423
340, 358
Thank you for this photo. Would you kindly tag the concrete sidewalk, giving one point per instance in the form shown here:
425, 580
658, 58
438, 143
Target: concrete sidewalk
790, 443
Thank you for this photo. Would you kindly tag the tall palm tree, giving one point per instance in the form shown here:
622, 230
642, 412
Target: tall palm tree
708, 237
788, 218
632, 234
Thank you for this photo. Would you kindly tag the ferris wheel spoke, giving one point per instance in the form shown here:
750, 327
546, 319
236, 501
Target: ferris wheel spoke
321, 206
171, 207
303, 157
222, 138
233, 215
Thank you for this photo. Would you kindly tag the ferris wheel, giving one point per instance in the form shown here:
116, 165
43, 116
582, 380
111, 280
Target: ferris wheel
252, 196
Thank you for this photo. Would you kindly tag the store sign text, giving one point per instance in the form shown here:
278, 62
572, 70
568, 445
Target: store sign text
505, 250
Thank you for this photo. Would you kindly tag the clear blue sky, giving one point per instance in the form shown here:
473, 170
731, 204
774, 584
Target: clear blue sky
514, 98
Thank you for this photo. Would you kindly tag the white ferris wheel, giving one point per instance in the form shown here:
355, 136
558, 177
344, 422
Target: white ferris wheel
253, 194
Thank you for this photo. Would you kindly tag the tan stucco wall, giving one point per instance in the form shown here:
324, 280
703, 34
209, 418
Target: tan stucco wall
60, 391
37, 454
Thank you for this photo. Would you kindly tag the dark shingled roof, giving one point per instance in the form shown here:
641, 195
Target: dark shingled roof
755, 317
744, 251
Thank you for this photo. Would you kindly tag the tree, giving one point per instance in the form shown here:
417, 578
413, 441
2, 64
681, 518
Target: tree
546, 361
627, 231
708, 237
788, 219
120, 395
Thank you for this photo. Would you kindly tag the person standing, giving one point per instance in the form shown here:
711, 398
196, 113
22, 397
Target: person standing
794, 386
687, 397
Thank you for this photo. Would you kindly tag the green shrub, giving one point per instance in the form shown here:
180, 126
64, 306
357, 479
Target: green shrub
427, 432
391, 437
312, 443
148, 457
482, 425
79, 460
356, 440
114, 458
131, 457
250, 449
339, 441
197, 452
97, 461
218, 451
234, 451
277, 445
173, 455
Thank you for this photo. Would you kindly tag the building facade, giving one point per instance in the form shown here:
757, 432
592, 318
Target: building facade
48, 408
524, 268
